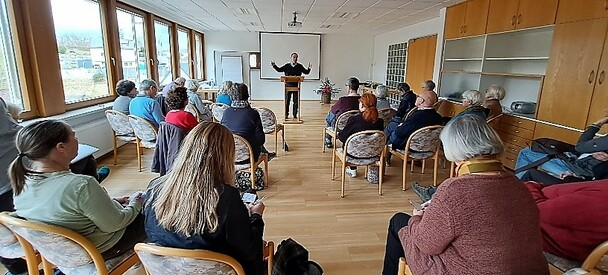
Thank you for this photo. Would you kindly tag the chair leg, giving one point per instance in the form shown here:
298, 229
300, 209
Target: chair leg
333, 166
138, 154
452, 169
404, 174
323, 139
253, 169
115, 150
276, 142
435, 168
266, 179
412, 166
381, 175
423, 165
283, 138
343, 178
47, 267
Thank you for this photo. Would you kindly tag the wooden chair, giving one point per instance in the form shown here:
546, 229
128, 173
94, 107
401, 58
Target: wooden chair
145, 134
158, 260
69, 251
242, 152
121, 129
595, 264
217, 110
423, 144
12, 248
271, 126
190, 108
361, 149
404, 269
337, 127
387, 115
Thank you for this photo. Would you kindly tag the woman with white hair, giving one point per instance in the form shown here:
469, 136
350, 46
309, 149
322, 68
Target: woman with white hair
193, 98
470, 226
473, 101
494, 94
381, 93
223, 96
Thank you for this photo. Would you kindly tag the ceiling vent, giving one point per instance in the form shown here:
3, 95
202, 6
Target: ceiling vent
294, 23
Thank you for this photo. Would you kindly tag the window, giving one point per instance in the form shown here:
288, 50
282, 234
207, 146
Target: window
162, 34
183, 43
10, 89
132, 45
82, 53
198, 66
254, 61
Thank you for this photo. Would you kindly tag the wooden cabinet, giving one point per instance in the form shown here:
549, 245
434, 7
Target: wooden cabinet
507, 15
448, 108
599, 99
515, 133
420, 60
466, 19
575, 10
565, 135
572, 72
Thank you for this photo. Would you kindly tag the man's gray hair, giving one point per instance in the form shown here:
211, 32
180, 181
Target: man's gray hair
147, 84
191, 85
469, 136
180, 80
495, 92
474, 97
381, 91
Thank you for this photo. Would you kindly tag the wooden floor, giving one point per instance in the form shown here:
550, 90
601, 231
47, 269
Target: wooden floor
344, 235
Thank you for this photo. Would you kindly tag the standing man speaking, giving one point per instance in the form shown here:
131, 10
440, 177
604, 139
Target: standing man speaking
292, 69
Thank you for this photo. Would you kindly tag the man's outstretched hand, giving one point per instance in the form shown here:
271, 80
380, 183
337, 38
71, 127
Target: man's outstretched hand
309, 65
272, 63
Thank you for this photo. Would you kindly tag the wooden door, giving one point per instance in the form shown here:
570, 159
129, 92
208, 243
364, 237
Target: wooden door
571, 72
503, 15
476, 17
599, 100
536, 13
576, 10
454, 20
420, 61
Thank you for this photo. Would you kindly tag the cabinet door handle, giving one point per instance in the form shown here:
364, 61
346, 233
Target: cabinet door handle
519, 19
606, 5
601, 78
591, 76
514, 18
461, 29
465, 28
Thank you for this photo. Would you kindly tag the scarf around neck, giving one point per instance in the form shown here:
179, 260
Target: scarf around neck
239, 104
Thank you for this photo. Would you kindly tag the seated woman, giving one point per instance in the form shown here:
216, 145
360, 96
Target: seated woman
366, 120
200, 184
494, 94
244, 121
45, 190
470, 226
381, 92
126, 91
473, 101
223, 96
195, 99
177, 99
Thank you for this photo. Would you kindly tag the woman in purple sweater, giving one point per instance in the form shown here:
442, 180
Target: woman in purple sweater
483, 221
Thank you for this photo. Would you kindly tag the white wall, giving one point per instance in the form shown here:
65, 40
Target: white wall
342, 56
382, 41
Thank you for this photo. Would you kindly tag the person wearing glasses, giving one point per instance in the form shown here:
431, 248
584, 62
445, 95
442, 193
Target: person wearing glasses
144, 105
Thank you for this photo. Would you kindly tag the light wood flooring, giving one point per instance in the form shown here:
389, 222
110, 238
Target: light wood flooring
344, 235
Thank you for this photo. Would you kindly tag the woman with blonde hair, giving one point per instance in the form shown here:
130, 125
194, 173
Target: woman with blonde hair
194, 206
223, 96
494, 94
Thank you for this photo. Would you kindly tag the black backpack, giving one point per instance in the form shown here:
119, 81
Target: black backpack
553, 148
291, 258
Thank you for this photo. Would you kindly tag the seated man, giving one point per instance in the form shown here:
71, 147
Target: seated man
424, 116
346, 103
178, 82
593, 153
573, 217
144, 105
407, 103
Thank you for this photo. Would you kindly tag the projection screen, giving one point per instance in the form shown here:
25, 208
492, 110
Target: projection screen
278, 47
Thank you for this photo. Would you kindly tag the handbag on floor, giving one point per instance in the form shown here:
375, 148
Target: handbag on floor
242, 180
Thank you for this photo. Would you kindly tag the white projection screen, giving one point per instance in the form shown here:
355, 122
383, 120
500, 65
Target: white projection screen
277, 47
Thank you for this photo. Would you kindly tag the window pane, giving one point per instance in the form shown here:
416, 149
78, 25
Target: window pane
199, 57
10, 89
132, 46
183, 41
81, 49
163, 52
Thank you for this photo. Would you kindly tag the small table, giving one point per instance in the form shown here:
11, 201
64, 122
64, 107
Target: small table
208, 94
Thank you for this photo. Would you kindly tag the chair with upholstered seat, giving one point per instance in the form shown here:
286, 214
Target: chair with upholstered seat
121, 129
361, 149
244, 152
339, 124
423, 144
69, 251
386, 115
595, 264
159, 260
13, 248
190, 108
145, 134
271, 126
217, 110
404, 269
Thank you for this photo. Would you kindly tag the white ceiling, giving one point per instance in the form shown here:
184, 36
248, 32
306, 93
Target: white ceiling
317, 16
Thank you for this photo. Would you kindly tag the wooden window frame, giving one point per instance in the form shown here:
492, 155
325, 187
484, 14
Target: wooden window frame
145, 16
190, 58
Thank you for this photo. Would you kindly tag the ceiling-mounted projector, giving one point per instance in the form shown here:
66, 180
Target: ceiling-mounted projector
294, 23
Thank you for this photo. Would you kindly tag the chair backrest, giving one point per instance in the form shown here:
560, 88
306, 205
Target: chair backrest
410, 112
158, 260
269, 120
143, 129
119, 123
190, 108
217, 110
366, 144
242, 149
494, 122
343, 118
387, 115
424, 142
9, 245
66, 249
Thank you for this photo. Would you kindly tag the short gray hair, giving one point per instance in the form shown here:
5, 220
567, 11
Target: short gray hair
191, 85
474, 97
180, 80
147, 84
469, 136
495, 92
381, 91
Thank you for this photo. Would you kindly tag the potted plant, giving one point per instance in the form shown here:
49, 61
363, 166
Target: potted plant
327, 91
